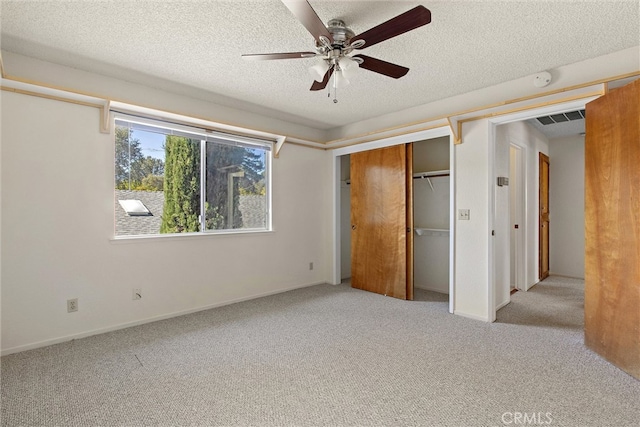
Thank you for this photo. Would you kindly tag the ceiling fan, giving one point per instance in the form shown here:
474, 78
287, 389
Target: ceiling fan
336, 41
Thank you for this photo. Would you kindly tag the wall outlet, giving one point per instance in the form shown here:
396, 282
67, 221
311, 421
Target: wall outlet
310, 266
463, 214
137, 294
72, 305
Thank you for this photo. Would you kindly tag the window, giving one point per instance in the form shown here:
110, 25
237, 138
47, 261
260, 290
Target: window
174, 179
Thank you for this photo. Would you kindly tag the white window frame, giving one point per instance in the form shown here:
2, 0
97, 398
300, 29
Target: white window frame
205, 135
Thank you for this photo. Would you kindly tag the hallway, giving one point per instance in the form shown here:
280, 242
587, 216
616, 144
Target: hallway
556, 302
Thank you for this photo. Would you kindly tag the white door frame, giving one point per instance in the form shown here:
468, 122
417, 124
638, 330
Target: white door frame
387, 142
493, 123
520, 264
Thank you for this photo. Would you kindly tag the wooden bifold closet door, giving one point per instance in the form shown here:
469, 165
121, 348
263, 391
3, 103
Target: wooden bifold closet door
382, 221
612, 227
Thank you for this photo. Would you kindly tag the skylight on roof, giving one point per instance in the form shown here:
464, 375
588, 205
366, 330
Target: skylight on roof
134, 207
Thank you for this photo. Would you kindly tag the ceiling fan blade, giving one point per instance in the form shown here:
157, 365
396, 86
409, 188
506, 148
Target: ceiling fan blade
382, 67
309, 18
410, 20
267, 56
321, 85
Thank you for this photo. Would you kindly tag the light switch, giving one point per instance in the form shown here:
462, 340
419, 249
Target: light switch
463, 214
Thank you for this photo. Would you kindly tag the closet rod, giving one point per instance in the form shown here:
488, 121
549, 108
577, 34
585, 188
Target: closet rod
431, 174
419, 175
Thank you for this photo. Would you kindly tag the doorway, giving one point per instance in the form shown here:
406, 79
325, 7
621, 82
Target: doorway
526, 244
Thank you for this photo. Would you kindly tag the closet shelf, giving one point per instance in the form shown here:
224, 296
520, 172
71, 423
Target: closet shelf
431, 231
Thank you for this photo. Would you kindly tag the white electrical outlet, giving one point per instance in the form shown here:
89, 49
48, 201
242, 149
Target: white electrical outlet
463, 214
137, 294
310, 266
72, 305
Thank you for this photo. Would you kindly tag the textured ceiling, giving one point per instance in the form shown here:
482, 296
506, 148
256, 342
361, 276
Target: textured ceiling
559, 130
468, 45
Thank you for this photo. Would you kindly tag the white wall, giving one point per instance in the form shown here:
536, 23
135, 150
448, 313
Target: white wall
566, 204
57, 229
472, 159
431, 155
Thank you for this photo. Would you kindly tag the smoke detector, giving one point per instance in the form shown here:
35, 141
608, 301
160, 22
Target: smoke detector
542, 79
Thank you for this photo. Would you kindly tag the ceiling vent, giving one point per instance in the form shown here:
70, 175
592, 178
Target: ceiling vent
562, 117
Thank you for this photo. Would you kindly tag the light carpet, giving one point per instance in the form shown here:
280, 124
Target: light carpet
331, 356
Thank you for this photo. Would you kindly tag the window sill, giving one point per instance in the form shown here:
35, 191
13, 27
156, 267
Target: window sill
184, 236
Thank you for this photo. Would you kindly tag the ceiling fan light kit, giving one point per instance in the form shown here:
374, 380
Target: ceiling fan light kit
349, 66
335, 43
340, 80
319, 70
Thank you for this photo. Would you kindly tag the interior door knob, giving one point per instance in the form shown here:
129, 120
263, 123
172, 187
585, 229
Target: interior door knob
353, 226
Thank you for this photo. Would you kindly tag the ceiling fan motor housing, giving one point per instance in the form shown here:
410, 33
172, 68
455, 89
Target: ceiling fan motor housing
340, 32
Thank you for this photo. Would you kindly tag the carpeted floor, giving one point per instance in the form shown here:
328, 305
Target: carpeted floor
327, 356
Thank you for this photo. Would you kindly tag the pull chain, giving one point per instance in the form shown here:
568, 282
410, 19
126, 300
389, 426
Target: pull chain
335, 84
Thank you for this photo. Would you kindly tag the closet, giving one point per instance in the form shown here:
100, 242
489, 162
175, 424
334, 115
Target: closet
395, 218
431, 195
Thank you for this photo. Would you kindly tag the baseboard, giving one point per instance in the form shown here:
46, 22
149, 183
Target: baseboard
99, 331
527, 287
502, 304
565, 276
471, 316
428, 288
